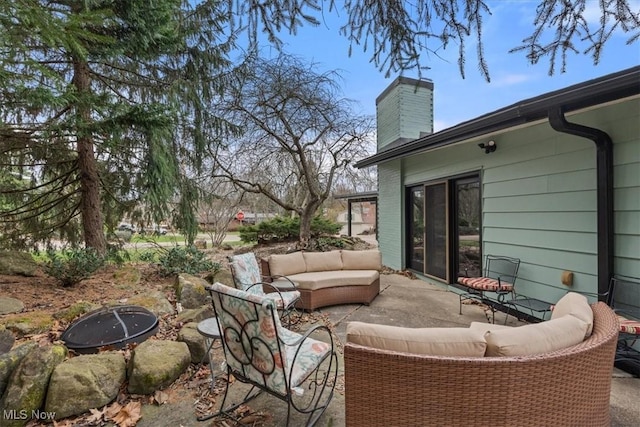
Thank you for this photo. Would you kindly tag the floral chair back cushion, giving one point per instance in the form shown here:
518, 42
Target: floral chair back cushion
251, 345
246, 272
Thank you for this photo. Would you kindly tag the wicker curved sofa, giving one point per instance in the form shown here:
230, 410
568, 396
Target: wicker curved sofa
329, 278
568, 387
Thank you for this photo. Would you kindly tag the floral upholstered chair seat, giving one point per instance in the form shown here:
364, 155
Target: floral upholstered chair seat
246, 276
260, 351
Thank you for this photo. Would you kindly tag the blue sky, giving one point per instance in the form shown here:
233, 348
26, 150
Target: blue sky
457, 99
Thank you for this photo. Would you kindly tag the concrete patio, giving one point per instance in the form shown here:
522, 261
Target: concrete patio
402, 302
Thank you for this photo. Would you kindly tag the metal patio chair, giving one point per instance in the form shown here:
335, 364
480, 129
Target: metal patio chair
299, 369
625, 301
497, 281
247, 277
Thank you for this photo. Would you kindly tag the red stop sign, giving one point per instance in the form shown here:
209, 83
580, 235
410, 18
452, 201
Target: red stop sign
240, 216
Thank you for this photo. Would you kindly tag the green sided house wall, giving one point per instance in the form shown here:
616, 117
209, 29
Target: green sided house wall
537, 195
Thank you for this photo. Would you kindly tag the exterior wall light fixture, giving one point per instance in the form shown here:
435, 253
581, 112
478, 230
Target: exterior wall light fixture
489, 147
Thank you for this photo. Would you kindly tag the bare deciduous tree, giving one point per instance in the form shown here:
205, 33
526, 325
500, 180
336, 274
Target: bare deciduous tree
220, 201
298, 135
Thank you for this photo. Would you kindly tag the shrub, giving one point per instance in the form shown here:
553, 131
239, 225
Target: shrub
324, 226
186, 259
328, 243
282, 229
70, 266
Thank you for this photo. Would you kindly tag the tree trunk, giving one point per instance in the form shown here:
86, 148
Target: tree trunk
90, 203
306, 216
305, 229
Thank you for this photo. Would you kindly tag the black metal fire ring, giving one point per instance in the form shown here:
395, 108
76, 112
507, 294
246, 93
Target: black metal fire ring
112, 327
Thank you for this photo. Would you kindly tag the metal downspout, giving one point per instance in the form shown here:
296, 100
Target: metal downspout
604, 191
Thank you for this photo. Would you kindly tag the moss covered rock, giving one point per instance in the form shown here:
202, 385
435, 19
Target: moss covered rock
156, 364
10, 360
75, 310
190, 291
14, 263
195, 314
85, 382
29, 323
155, 301
195, 341
28, 383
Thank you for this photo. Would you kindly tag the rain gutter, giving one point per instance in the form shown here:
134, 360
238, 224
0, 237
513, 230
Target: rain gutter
604, 190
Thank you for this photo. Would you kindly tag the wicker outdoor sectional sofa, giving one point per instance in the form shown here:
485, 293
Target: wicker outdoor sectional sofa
329, 278
566, 387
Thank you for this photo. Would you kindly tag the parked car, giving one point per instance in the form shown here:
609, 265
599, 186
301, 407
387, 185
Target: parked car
160, 230
156, 230
125, 226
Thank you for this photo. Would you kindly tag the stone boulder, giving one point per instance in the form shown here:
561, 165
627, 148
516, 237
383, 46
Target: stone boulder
195, 314
156, 364
28, 383
15, 263
190, 291
224, 276
10, 305
10, 360
85, 382
6, 341
29, 323
195, 341
75, 310
154, 301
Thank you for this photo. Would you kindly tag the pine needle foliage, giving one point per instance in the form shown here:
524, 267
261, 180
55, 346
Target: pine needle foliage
104, 108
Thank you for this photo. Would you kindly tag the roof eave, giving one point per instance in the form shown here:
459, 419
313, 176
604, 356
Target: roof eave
605, 89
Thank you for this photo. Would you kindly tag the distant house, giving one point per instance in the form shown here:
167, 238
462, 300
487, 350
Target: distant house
553, 180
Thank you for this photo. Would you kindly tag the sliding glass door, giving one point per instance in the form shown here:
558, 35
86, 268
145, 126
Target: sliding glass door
415, 247
443, 226
436, 231
467, 226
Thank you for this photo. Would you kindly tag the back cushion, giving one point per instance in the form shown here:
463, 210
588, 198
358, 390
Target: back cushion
361, 260
536, 338
484, 327
322, 261
285, 265
576, 305
462, 342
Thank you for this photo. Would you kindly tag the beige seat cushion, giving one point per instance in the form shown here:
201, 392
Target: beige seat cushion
285, 265
462, 342
484, 327
576, 305
322, 261
537, 338
332, 279
361, 260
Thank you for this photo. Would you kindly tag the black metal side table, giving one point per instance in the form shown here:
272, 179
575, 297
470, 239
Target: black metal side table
531, 304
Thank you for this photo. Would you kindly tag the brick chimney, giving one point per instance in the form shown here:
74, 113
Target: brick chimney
404, 111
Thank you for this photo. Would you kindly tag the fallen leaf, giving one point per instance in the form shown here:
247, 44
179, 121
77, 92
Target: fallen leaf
129, 415
112, 410
96, 416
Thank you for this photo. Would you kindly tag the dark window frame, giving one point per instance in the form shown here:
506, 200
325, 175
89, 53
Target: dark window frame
453, 236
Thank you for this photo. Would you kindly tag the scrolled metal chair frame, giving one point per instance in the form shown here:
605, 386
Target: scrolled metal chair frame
237, 337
